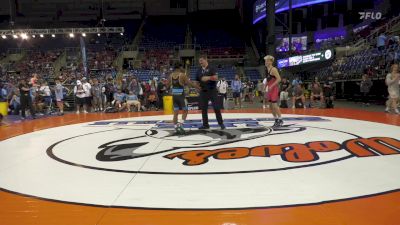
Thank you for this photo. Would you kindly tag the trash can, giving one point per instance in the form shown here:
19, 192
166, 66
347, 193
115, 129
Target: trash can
4, 108
168, 105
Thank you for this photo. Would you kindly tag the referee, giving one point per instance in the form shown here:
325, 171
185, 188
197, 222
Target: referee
207, 77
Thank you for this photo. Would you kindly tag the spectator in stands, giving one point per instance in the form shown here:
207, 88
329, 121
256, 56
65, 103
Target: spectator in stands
134, 86
59, 93
124, 85
45, 92
296, 81
316, 94
365, 87
109, 91
39, 104
236, 86
119, 98
161, 91
80, 97
26, 99
152, 101
97, 93
260, 91
381, 42
153, 86
298, 99
250, 91
222, 87
33, 89
392, 81
284, 95
87, 87
329, 90
33, 81
15, 104
132, 100
3, 93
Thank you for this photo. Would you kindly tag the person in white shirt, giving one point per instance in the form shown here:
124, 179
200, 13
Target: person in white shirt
80, 97
87, 87
222, 87
265, 93
392, 81
45, 92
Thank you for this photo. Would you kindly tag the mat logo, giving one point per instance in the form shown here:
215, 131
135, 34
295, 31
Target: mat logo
294, 152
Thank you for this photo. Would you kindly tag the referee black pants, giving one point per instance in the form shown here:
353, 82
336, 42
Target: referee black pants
205, 96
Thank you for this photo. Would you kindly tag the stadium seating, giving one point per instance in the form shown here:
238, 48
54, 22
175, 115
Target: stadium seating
163, 33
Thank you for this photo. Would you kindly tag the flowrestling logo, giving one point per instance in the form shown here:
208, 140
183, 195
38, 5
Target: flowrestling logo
370, 15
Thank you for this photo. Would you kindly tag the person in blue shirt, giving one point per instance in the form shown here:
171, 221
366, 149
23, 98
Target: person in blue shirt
381, 42
132, 100
3, 93
237, 86
119, 99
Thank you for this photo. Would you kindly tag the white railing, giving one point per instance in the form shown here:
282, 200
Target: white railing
377, 31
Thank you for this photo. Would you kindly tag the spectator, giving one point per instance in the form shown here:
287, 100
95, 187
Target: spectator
34, 79
298, 99
124, 85
3, 93
296, 81
316, 94
381, 42
59, 92
97, 96
329, 92
26, 99
284, 95
15, 104
109, 91
80, 96
161, 91
39, 103
260, 91
87, 87
152, 101
45, 92
222, 87
365, 87
134, 86
132, 100
392, 81
153, 86
236, 89
250, 91
119, 98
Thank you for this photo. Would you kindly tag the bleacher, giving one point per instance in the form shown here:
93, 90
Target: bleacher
227, 73
163, 33
252, 74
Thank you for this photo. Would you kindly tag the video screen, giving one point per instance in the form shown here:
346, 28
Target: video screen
260, 7
298, 44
